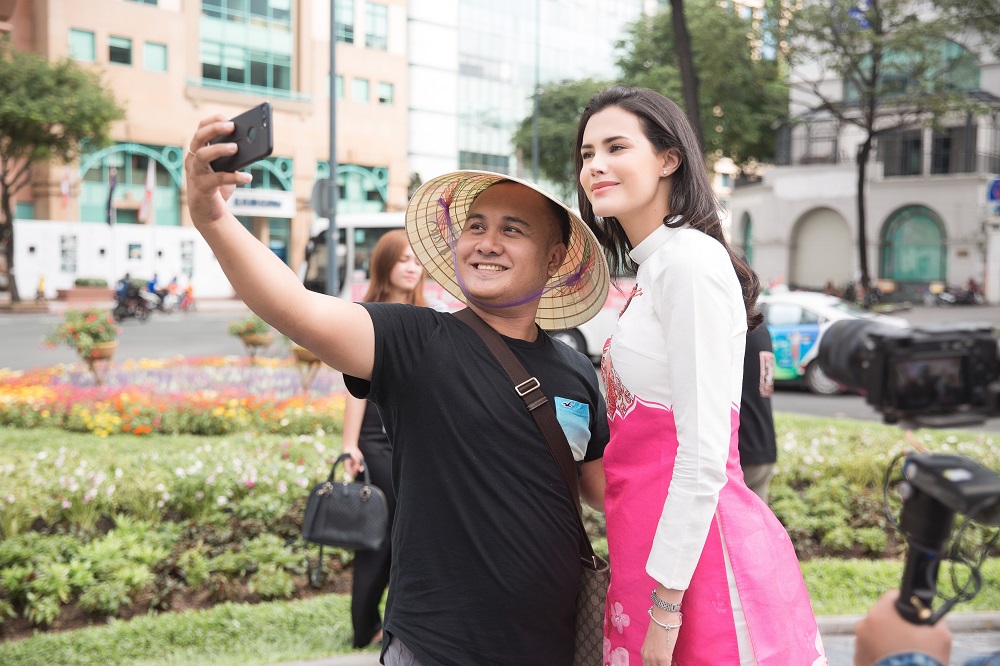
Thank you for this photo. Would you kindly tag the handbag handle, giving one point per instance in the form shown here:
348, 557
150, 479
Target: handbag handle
530, 391
341, 458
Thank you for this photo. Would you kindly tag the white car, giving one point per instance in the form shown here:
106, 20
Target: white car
589, 338
796, 321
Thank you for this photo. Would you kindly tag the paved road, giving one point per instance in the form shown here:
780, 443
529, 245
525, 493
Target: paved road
200, 333
204, 334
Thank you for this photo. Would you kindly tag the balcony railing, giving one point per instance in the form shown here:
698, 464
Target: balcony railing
911, 152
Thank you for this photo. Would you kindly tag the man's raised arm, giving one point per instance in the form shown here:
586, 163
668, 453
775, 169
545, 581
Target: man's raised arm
337, 331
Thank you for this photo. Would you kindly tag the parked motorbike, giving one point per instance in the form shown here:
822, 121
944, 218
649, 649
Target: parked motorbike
960, 296
132, 304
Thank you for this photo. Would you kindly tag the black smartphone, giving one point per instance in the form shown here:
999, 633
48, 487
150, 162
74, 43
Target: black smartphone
253, 136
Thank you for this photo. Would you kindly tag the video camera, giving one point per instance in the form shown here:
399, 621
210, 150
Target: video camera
934, 377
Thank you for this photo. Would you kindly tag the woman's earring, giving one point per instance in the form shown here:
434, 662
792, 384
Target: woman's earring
664, 172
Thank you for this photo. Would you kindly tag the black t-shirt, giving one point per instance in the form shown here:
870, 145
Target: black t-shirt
485, 544
757, 444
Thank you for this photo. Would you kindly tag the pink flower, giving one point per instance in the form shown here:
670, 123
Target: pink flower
619, 619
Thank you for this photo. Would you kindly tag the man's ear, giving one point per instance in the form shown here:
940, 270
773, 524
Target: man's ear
557, 255
670, 162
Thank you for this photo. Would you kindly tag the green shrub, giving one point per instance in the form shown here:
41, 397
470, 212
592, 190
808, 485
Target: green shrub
270, 582
90, 282
106, 598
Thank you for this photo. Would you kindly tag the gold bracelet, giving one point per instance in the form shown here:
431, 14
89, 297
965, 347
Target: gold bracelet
668, 627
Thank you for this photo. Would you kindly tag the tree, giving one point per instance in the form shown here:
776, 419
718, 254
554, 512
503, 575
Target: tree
741, 95
560, 106
685, 60
896, 69
46, 110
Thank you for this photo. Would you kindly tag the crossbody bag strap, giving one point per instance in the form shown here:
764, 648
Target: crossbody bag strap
530, 391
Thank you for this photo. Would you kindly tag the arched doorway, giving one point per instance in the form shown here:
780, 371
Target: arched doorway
913, 246
820, 251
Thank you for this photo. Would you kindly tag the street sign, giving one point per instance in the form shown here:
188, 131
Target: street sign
320, 198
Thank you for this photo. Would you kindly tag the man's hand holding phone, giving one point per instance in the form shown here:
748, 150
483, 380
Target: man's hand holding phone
253, 135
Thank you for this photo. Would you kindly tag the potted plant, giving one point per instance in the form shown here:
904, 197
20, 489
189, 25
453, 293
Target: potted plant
253, 331
92, 333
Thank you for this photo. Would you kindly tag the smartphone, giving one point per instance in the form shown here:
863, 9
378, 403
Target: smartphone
253, 136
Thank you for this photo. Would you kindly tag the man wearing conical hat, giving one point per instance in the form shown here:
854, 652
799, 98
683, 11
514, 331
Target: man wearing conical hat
486, 542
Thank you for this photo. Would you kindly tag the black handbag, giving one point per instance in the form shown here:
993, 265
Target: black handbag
345, 515
595, 573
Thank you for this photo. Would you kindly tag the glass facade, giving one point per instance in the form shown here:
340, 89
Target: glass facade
497, 44
247, 44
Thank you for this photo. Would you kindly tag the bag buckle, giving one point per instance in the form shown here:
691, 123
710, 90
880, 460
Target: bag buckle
325, 489
527, 386
366, 492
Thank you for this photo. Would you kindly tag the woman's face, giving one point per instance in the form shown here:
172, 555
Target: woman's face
622, 174
406, 272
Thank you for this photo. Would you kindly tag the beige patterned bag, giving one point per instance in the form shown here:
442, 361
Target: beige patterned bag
590, 611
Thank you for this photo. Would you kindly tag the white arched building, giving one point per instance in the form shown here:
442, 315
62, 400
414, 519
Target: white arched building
929, 213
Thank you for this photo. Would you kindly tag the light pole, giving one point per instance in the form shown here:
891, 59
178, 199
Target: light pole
535, 111
332, 286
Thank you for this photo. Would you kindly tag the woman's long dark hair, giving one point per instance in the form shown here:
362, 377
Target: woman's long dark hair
386, 253
691, 195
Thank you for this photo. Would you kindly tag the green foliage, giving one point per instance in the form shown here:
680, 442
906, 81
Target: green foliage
741, 97
41, 610
106, 598
271, 582
90, 282
46, 110
559, 107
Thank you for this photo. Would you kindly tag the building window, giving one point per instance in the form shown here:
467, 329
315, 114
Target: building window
247, 44
376, 26
120, 50
386, 92
345, 20
901, 153
154, 57
339, 83
360, 91
81, 45
483, 161
953, 150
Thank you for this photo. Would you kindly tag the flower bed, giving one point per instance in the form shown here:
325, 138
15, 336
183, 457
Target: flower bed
205, 396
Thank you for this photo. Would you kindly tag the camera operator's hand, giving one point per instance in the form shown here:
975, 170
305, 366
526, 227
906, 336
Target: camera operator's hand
883, 632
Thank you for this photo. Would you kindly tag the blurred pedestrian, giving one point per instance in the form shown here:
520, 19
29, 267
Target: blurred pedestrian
758, 446
396, 277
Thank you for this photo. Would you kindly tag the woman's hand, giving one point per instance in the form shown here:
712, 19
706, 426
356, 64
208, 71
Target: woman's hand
353, 465
207, 190
658, 647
